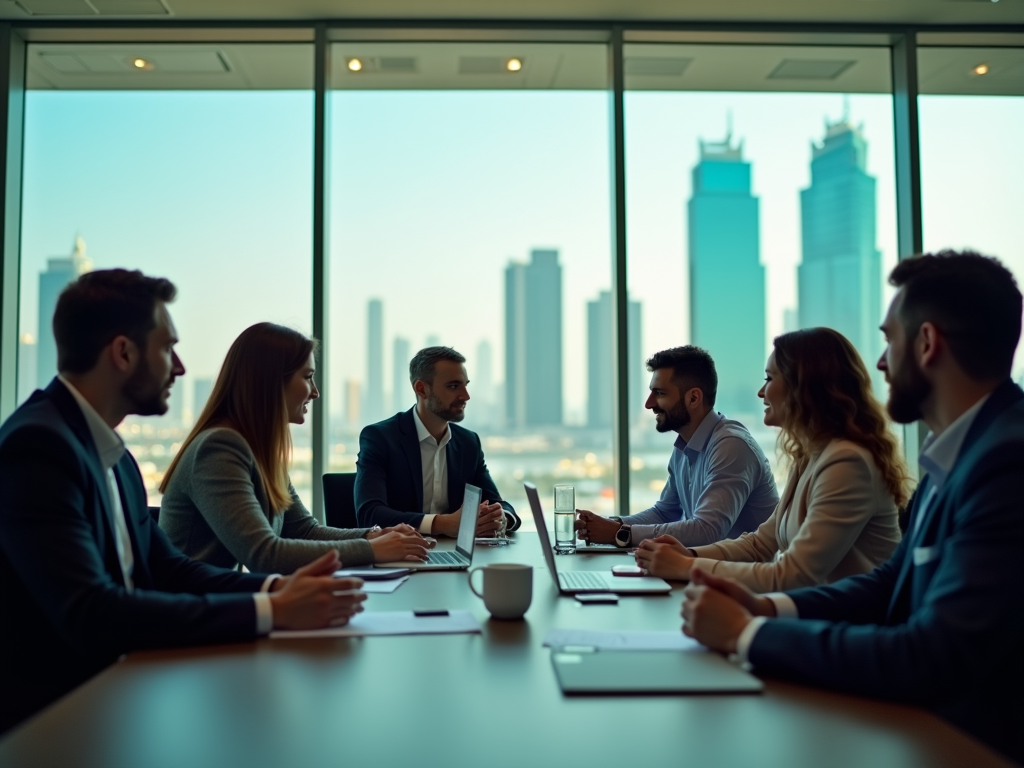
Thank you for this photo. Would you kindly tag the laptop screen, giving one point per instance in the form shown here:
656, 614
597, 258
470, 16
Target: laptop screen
467, 527
542, 529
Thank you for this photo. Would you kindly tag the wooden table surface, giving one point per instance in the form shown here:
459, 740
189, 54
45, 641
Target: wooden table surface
458, 700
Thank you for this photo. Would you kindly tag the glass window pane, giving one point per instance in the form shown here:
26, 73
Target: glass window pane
192, 162
972, 162
761, 199
470, 207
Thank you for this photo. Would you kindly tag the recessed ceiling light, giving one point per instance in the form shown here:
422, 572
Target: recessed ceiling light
140, 63
981, 69
355, 65
514, 65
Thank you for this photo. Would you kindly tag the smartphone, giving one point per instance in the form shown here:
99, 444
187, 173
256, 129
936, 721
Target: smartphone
598, 597
372, 574
627, 570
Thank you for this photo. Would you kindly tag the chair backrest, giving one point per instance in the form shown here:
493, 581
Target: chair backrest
154, 512
340, 500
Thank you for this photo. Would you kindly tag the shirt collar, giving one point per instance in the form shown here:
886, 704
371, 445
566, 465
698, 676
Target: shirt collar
939, 452
422, 433
699, 441
109, 444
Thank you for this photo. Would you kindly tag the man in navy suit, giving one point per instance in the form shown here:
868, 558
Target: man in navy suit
413, 467
940, 624
86, 573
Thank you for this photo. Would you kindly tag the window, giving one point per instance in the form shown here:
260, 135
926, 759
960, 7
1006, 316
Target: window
192, 162
469, 207
971, 107
761, 199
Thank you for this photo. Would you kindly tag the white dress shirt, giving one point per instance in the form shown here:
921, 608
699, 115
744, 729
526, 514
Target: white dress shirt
434, 461
111, 448
938, 456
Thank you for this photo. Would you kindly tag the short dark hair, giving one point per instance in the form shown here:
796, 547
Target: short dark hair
974, 302
100, 306
421, 367
691, 366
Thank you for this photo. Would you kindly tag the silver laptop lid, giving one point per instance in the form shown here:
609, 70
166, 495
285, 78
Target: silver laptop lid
467, 526
542, 530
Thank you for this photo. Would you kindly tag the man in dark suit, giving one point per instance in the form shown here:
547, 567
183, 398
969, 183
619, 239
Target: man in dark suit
940, 624
86, 573
413, 467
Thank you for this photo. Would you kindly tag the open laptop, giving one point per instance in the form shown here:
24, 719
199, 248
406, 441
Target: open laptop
462, 557
573, 582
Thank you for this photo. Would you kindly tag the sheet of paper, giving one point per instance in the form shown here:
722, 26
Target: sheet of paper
622, 640
393, 623
383, 587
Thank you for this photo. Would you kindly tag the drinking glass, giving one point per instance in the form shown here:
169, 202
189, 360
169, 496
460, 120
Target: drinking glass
565, 519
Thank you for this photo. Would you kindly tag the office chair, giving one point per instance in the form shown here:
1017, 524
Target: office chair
339, 499
154, 512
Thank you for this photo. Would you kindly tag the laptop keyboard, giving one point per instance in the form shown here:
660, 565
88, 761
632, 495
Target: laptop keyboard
444, 558
583, 580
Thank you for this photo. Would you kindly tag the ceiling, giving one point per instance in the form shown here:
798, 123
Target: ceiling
451, 65
923, 12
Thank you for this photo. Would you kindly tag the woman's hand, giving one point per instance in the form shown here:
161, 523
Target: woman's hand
664, 559
393, 545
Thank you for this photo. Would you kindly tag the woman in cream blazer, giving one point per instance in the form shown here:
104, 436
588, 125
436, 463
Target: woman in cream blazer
838, 513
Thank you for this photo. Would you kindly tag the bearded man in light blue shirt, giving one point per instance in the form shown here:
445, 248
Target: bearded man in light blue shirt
719, 482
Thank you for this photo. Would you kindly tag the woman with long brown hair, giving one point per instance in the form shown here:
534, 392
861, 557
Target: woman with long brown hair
227, 497
838, 513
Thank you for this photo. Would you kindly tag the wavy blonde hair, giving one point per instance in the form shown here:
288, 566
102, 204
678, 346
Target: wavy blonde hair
249, 397
829, 397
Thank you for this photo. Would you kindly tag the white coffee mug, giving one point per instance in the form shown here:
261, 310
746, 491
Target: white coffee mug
508, 589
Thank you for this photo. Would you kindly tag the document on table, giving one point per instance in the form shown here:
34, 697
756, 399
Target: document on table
392, 623
621, 641
383, 587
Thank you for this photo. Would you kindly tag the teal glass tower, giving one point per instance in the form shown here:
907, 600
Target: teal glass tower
840, 277
601, 365
727, 298
533, 341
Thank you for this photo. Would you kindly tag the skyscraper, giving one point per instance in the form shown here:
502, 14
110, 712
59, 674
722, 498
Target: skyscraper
374, 361
533, 341
27, 366
481, 388
840, 277
727, 298
402, 396
60, 271
601, 365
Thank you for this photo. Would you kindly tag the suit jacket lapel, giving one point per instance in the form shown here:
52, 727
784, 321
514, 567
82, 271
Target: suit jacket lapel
1001, 398
411, 448
65, 403
453, 460
130, 491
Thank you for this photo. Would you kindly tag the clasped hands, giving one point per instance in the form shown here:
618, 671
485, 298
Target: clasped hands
489, 522
311, 598
716, 610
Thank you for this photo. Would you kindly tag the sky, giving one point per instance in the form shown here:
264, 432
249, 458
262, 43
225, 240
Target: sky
432, 193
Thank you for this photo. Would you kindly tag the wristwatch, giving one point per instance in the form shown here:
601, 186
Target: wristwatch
623, 536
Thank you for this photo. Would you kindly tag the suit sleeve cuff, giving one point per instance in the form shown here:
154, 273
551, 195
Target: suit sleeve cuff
264, 614
746, 638
427, 523
785, 608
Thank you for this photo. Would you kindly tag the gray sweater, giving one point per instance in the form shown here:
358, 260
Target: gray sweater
216, 510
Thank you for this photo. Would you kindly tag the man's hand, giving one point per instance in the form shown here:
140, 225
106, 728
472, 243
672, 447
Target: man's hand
396, 545
667, 559
311, 598
594, 528
490, 520
716, 610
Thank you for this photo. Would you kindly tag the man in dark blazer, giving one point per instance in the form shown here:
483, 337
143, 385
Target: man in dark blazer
413, 467
86, 573
940, 624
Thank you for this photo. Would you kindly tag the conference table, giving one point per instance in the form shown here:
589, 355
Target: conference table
487, 699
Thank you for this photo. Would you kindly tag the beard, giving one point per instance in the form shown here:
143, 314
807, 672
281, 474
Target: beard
908, 388
145, 393
675, 419
436, 407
